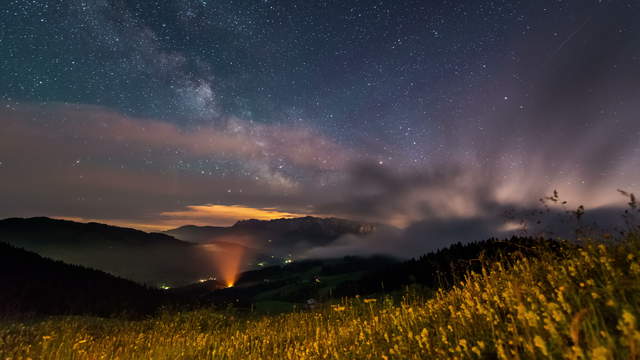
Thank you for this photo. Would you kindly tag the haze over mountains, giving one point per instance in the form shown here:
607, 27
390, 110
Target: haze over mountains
179, 256
278, 237
132, 254
34, 284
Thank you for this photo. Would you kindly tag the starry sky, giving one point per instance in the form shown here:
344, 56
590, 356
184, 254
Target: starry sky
154, 114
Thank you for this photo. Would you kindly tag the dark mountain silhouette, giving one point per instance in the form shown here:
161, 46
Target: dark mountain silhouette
163, 259
31, 283
160, 258
43, 230
197, 234
34, 284
276, 237
150, 258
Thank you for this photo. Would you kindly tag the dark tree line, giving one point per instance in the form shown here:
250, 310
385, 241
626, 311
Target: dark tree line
445, 267
30, 283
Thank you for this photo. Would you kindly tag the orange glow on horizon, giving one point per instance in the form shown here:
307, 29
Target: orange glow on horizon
200, 215
225, 214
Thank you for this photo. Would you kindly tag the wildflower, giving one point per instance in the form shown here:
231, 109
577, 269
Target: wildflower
463, 344
600, 353
476, 350
629, 319
576, 352
628, 324
574, 328
540, 344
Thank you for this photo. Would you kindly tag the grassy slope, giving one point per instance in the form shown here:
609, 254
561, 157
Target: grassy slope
583, 305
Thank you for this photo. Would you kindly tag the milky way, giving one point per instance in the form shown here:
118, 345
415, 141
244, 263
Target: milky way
399, 112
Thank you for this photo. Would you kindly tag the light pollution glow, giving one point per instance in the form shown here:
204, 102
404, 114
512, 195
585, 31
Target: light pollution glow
230, 259
225, 214
201, 215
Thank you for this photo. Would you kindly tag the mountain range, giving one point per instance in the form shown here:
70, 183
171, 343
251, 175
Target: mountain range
288, 235
177, 257
34, 284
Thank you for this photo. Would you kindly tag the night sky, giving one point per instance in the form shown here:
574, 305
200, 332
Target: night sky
154, 114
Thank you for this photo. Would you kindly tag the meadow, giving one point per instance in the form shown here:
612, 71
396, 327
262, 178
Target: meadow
581, 304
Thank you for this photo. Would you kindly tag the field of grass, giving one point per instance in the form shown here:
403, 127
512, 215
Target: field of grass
582, 305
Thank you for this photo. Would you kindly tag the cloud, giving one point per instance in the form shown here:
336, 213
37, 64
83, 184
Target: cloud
562, 120
434, 208
561, 116
121, 134
222, 215
383, 194
431, 234
201, 215
79, 161
87, 161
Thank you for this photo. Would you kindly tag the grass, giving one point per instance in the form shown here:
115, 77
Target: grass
581, 305
274, 307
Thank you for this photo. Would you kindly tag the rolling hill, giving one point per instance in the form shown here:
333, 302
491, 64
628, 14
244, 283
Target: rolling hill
31, 283
149, 258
